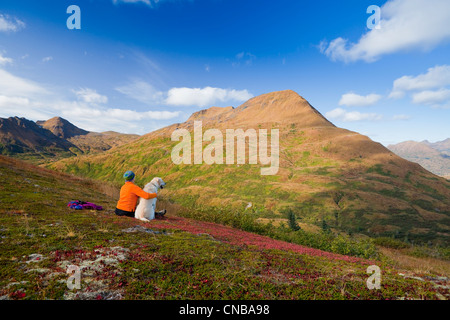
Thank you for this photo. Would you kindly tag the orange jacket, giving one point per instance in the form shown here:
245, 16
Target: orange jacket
129, 194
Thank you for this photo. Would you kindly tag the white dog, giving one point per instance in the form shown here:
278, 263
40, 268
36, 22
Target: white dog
145, 210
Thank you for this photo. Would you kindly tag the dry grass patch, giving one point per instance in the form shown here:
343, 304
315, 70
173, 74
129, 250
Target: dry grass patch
416, 264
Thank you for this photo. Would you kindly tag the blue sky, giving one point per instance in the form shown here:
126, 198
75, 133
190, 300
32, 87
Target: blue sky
139, 65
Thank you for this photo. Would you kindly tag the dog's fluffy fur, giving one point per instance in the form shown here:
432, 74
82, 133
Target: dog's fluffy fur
145, 210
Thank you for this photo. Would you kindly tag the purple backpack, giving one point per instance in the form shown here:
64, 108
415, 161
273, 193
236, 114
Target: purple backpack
79, 205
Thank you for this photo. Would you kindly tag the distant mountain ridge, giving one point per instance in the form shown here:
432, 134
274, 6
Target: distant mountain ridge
54, 138
442, 146
434, 157
19, 135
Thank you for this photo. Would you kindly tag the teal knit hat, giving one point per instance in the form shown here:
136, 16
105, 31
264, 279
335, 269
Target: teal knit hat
129, 175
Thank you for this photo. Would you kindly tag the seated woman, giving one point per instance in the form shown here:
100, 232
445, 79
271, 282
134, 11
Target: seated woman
129, 195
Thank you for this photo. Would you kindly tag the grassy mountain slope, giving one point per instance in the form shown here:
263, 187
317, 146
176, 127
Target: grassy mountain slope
96, 142
327, 174
169, 258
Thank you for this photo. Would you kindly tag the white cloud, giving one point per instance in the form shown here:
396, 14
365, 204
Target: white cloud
94, 118
436, 77
6, 101
207, 96
244, 57
91, 96
149, 3
346, 116
396, 94
90, 109
405, 25
11, 85
356, 100
142, 91
24, 98
430, 88
47, 59
22, 107
201, 97
432, 98
19, 96
146, 115
14, 106
5, 60
10, 24
89, 112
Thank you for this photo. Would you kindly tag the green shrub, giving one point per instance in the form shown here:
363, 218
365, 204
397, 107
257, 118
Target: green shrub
292, 221
332, 243
430, 252
325, 227
390, 243
247, 221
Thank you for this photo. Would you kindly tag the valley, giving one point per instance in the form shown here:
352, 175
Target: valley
325, 173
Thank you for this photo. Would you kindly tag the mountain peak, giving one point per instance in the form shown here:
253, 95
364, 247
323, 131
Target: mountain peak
285, 106
282, 106
20, 135
62, 128
213, 113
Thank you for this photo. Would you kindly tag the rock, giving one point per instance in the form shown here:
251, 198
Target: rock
38, 270
35, 257
440, 296
139, 228
94, 285
208, 236
437, 278
94, 295
9, 285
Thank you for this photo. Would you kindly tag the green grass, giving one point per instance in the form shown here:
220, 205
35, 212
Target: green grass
378, 168
424, 204
408, 177
247, 221
430, 191
171, 264
393, 193
388, 242
312, 179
